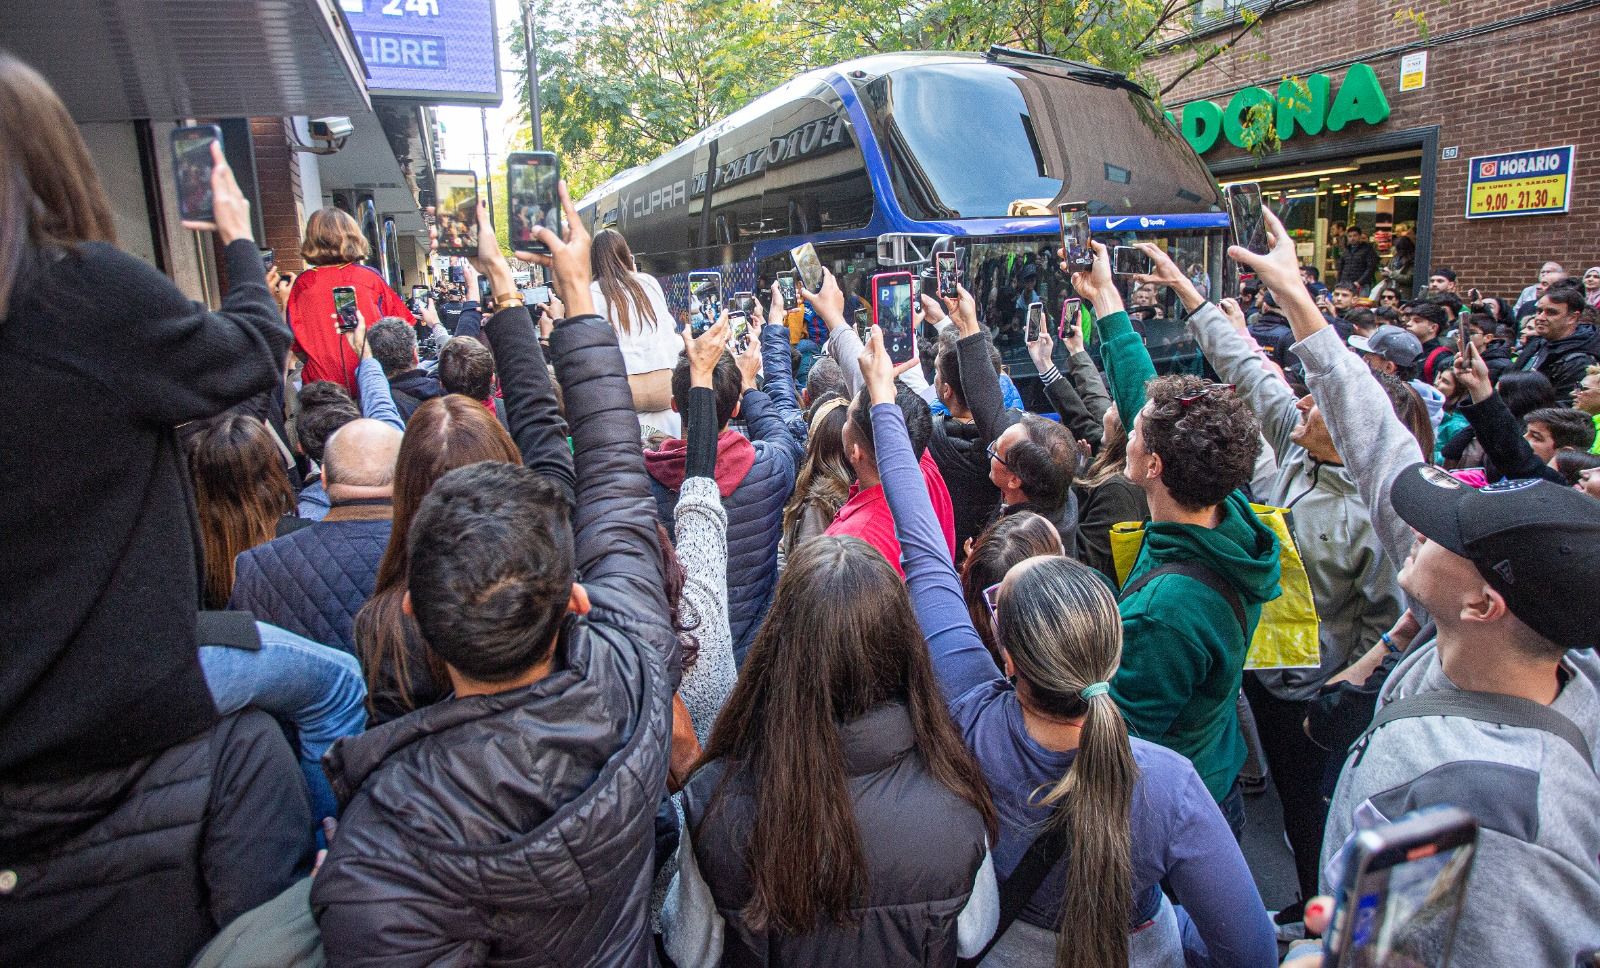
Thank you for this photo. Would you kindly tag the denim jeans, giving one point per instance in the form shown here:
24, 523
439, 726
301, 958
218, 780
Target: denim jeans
317, 690
1232, 807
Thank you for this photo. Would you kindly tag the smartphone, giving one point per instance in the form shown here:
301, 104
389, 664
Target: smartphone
738, 331
191, 169
808, 266
1129, 261
483, 291
1463, 341
1244, 211
344, 304
786, 289
1474, 296
891, 312
1035, 326
1075, 236
1403, 889
268, 257
742, 302
533, 184
946, 271
536, 295
457, 213
1071, 308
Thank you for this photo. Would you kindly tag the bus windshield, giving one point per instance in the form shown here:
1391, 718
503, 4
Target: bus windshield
978, 140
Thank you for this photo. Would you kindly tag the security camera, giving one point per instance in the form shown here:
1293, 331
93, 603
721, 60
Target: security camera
331, 129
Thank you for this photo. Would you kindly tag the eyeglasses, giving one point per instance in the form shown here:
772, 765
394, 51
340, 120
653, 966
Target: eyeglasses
991, 598
994, 454
1189, 399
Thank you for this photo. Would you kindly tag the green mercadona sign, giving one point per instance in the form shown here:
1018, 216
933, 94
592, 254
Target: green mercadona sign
1301, 106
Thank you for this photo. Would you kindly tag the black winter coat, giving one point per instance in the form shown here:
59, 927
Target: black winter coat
412, 389
143, 863
1359, 264
922, 846
100, 578
1564, 361
518, 828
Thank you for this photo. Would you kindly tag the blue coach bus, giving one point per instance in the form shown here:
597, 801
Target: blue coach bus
877, 160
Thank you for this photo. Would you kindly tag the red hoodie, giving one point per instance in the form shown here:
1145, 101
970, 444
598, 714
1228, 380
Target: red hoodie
867, 516
735, 456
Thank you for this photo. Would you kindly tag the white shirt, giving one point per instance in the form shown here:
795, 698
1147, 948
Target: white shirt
651, 344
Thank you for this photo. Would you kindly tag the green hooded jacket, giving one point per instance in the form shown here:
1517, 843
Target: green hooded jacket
1183, 652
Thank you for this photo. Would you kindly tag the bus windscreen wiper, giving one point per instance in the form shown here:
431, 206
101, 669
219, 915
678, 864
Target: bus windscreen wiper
1076, 70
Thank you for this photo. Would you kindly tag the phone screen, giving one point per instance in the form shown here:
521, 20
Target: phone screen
738, 331
1249, 227
1406, 914
742, 302
705, 300
1129, 261
1075, 236
1069, 317
191, 169
891, 312
483, 291
1035, 322
786, 289
532, 182
344, 303
537, 295
808, 265
945, 268
457, 214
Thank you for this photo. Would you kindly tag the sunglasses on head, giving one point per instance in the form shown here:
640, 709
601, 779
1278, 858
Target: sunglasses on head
991, 598
1206, 390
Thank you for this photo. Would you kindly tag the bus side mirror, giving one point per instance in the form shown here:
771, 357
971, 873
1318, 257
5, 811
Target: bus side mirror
904, 250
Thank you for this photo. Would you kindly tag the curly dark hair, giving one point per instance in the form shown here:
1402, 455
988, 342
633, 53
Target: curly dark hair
1208, 447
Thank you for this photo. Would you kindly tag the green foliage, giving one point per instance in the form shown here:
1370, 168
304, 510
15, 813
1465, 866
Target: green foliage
622, 81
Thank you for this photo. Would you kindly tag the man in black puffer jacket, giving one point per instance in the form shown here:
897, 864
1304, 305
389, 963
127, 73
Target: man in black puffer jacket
513, 823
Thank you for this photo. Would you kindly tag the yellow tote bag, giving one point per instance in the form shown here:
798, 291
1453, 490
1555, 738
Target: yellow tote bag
1286, 636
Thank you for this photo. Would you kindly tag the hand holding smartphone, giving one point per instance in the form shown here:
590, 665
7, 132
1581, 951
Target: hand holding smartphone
192, 167
1127, 260
1035, 325
786, 288
1071, 307
457, 213
344, 307
946, 273
1075, 236
808, 265
533, 181
1244, 211
891, 313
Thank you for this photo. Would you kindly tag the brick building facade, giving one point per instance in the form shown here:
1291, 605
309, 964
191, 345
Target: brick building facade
1500, 78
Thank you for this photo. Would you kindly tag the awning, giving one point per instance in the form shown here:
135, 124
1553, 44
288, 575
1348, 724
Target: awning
384, 157
119, 60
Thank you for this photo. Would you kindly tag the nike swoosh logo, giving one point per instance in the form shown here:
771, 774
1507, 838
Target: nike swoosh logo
1114, 222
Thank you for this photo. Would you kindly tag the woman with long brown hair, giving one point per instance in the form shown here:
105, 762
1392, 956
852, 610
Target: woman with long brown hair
335, 251
444, 433
242, 494
823, 484
108, 732
1125, 815
646, 332
1008, 540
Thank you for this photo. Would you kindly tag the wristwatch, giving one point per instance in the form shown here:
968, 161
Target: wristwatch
501, 301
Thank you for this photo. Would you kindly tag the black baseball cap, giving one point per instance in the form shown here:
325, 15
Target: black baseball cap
1535, 542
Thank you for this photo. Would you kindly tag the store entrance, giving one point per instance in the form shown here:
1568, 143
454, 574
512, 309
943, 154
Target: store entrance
1379, 192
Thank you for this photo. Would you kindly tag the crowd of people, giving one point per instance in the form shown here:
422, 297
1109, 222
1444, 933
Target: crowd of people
584, 640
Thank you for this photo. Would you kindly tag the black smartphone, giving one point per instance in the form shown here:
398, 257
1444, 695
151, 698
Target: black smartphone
705, 300
192, 165
808, 265
483, 291
1035, 325
1403, 888
268, 257
533, 181
1129, 261
891, 312
1075, 236
458, 212
536, 295
742, 302
786, 289
344, 305
946, 268
1474, 296
1070, 309
419, 298
1244, 211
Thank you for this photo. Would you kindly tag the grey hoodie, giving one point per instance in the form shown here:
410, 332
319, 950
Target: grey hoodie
1352, 581
1534, 894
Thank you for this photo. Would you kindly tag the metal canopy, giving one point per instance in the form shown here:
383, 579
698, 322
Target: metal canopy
120, 60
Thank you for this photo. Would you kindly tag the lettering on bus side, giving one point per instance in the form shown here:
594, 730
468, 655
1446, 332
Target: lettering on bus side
656, 199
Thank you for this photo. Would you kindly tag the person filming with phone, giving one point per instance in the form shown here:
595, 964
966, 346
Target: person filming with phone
336, 250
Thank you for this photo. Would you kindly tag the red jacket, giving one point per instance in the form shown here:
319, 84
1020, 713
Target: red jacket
316, 335
867, 516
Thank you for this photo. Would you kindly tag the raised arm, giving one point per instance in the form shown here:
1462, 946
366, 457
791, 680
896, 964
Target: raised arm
174, 360
1497, 428
778, 375
1375, 445
980, 384
843, 344
959, 657
1063, 396
614, 520
377, 400
1127, 362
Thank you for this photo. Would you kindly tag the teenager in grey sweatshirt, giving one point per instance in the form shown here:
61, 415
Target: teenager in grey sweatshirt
1534, 896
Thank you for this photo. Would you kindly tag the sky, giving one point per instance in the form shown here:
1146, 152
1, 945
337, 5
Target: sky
462, 140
